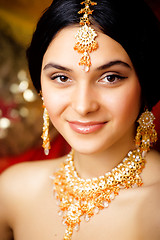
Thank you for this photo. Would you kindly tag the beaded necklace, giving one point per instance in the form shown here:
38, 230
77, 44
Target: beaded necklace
78, 197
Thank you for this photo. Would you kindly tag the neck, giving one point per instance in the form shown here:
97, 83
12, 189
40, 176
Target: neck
97, 164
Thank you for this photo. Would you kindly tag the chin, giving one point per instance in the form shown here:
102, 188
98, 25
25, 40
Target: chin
90, 148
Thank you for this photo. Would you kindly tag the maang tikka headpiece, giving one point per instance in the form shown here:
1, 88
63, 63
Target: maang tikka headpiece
85, 36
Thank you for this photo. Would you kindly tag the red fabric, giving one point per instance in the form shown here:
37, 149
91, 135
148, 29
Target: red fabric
59, 147
156, 112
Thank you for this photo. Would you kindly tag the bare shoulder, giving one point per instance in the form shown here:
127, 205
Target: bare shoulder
21, 186
25, 179
28, 172
152, 191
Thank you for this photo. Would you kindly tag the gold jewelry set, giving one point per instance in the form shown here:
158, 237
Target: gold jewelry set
79, 197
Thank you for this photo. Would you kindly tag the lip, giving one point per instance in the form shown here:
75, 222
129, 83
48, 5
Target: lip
86, 127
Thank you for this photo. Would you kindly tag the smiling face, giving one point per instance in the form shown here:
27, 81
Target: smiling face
95, 110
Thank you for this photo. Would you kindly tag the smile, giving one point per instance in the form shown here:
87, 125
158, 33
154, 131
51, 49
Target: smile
86, 127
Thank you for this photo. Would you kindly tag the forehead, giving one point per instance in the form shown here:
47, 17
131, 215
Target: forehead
61, 49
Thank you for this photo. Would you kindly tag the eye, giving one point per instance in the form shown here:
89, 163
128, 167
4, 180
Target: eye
111, 79
60, 78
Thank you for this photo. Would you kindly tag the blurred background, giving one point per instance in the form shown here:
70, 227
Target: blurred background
20, 106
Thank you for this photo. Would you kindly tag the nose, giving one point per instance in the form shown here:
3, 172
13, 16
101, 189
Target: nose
84, 100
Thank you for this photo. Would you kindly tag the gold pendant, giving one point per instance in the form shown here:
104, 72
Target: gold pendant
86, 44
85, 37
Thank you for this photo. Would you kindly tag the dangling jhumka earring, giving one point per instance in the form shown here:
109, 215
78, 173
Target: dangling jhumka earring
146, 134
45, 135
85, 36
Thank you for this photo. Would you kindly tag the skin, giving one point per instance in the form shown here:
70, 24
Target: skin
110, 95
88, 97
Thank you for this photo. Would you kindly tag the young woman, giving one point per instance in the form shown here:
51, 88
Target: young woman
97, 80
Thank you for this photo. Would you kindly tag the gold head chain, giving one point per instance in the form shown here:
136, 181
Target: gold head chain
85, 36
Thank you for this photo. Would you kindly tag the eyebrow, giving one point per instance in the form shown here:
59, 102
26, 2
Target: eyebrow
59, 67
113, 63
102, 67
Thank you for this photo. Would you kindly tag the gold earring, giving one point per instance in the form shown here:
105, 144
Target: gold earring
146, 134
45, 135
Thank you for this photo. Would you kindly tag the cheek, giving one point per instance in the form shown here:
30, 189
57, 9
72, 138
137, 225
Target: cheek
54, 105
124, 102
130, 106
55, 102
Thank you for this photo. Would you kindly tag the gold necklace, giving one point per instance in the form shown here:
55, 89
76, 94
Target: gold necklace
78, 197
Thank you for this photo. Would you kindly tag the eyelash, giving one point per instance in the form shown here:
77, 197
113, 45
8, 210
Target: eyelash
59, 76
115, 76
118, 77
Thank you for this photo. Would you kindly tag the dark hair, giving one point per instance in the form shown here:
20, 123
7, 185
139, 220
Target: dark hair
131, 23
